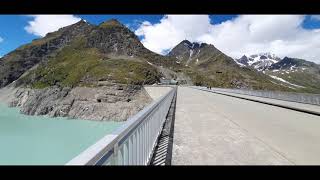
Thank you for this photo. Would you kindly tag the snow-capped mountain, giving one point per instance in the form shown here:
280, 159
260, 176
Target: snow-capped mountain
296, 73
293, 73
258, 61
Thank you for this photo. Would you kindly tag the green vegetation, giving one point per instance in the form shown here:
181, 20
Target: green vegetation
75, 65
227, 76
125, 72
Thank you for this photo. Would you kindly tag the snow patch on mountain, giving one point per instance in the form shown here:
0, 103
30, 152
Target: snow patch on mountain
240, 64
190, 54
258, 61
282, 80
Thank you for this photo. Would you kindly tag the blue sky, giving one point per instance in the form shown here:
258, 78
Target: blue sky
13, 31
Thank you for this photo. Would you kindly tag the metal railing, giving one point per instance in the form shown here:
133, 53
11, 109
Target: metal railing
133, 142
306, 98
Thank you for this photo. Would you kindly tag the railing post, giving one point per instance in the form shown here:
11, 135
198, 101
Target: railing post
130, 149
115, 155
125, 153
138, 147
134, 148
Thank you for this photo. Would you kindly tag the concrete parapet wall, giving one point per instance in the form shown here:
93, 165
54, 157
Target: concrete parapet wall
306, 98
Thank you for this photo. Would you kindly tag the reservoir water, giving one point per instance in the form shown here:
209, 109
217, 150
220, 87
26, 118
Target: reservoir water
40, 140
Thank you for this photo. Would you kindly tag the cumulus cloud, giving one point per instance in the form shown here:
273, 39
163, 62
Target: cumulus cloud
171, 30
315, 17
40, 25
282, 35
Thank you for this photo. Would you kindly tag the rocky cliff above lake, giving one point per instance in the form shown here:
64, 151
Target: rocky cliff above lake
113, 102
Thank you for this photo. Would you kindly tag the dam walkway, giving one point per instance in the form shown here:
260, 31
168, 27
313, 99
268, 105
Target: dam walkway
222, 128
189, 125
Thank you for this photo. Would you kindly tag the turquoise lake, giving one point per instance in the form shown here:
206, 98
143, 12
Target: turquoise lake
40, 140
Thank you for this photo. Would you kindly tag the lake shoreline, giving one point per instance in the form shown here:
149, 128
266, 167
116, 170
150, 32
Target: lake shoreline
102, 103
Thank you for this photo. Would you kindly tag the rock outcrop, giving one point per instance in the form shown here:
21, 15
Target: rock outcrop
114, 102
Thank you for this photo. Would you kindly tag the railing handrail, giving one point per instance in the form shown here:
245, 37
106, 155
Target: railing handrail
100, 149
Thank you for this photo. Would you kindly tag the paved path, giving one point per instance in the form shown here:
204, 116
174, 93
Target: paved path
308, 107
217, 130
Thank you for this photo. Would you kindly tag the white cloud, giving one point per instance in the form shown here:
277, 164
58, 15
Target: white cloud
315, 17
245, 34
1, 39
43, 24
171, 30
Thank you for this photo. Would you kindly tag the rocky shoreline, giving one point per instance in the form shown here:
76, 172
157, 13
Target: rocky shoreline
113, 102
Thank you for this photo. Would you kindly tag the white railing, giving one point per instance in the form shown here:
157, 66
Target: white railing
133, 142
306, 98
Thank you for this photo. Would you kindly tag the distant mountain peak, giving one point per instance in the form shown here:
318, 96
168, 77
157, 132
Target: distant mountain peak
193, 45
185, 41
80, 24
196, 53
288, 63
259, 61
82, 21
111, 23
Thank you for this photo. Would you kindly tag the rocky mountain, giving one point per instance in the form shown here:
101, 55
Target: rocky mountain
293, 64
205, 64
189, 54
298, 74
258, 61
